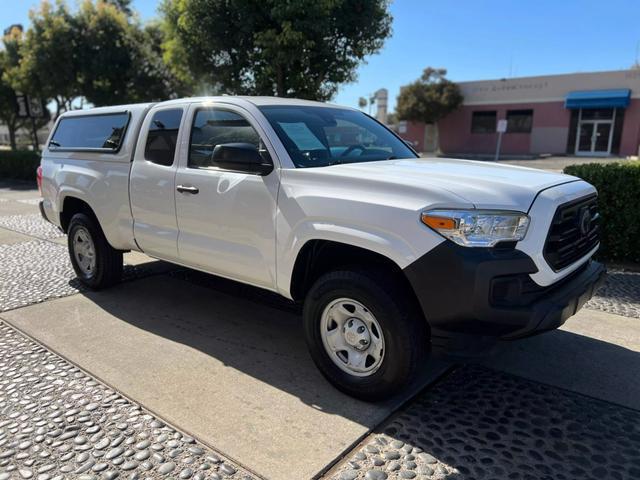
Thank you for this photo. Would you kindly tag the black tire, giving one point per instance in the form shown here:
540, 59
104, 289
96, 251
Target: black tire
404, 329
108, 261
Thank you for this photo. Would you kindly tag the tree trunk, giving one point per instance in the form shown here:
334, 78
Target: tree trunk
11, 126
34, 129
280, 89
58, 108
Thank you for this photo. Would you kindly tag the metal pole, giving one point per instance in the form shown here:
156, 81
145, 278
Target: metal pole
497, 157
36, 143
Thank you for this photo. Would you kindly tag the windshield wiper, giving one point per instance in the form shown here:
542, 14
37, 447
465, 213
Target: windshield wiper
54, 143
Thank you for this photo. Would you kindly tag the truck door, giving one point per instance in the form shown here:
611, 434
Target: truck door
226, 219
152, 183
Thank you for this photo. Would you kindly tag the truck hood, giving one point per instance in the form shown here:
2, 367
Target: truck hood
484, 184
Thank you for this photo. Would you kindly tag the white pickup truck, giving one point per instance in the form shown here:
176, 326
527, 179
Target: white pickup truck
391, 254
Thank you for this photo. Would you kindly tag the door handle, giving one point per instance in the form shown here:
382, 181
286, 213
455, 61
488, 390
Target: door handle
187, 189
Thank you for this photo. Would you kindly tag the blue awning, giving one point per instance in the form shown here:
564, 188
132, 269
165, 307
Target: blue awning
599, 99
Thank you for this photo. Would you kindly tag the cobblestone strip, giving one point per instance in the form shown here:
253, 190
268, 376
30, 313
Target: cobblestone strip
33, 225
29, 201
483, 424
31, 272
35, 271
57, 422
620, 294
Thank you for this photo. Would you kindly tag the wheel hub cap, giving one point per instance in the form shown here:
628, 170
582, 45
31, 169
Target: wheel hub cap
84, 251
356, 334
352, 337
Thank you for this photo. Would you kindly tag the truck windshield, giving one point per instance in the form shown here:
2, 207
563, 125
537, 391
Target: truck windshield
321, 136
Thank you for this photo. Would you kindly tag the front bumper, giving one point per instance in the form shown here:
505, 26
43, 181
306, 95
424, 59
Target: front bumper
472, 297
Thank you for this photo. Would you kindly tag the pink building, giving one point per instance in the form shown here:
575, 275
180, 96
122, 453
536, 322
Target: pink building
590, 114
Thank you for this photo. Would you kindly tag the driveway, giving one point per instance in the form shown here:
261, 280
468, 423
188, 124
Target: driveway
177, 374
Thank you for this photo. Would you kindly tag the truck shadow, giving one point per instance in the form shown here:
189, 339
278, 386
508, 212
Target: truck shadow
19, 185
253, 331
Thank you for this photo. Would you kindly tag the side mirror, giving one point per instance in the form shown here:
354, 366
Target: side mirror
242, 157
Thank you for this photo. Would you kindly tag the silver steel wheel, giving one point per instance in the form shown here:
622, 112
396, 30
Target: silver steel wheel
352, 337
84, 251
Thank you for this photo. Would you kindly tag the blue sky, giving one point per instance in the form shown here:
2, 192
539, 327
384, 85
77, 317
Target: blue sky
477, 39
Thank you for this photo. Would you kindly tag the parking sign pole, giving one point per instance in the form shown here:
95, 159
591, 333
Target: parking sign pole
501, 128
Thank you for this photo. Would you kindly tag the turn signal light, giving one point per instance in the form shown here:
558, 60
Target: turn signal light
439, 223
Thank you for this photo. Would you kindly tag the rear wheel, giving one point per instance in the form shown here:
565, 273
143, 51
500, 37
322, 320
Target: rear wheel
364, 333
96, 263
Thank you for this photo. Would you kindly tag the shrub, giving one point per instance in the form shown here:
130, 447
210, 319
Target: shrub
18, 164
618, 187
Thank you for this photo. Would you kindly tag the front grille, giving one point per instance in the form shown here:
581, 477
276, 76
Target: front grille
574, 232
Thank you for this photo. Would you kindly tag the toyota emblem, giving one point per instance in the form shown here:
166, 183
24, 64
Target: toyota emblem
585, 221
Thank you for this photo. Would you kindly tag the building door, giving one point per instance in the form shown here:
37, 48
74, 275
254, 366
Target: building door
595, 132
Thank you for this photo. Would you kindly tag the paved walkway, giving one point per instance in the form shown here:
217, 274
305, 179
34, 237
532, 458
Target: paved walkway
234, 373
56, 421
483, 424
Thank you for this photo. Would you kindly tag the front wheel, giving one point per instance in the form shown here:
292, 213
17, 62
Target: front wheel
96, 263
364, 333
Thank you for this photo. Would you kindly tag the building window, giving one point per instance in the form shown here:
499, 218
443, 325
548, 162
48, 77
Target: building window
483, 122
519, 121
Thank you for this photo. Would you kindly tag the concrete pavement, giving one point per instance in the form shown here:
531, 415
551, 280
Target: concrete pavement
234, 373
595, 353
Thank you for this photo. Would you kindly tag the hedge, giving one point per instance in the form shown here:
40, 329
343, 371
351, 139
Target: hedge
618, 187
18, 164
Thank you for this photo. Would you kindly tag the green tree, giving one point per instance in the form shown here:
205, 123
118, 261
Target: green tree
100, 54
428, 99
9, 61
119, 60
123, 5
49, 56
302, 48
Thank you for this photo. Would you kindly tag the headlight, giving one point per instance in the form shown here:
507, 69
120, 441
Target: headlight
477, 228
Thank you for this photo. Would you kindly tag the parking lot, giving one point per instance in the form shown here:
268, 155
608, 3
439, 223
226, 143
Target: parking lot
177, 374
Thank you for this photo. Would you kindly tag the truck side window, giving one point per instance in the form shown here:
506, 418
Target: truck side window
163, 136
101, 132
214, 126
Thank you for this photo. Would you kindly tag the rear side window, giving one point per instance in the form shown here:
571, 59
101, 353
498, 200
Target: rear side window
212, 127
91, 132
163, 136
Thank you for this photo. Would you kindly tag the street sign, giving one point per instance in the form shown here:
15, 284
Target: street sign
29, 107
501, 128
22, 108
36, 108
32, 108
